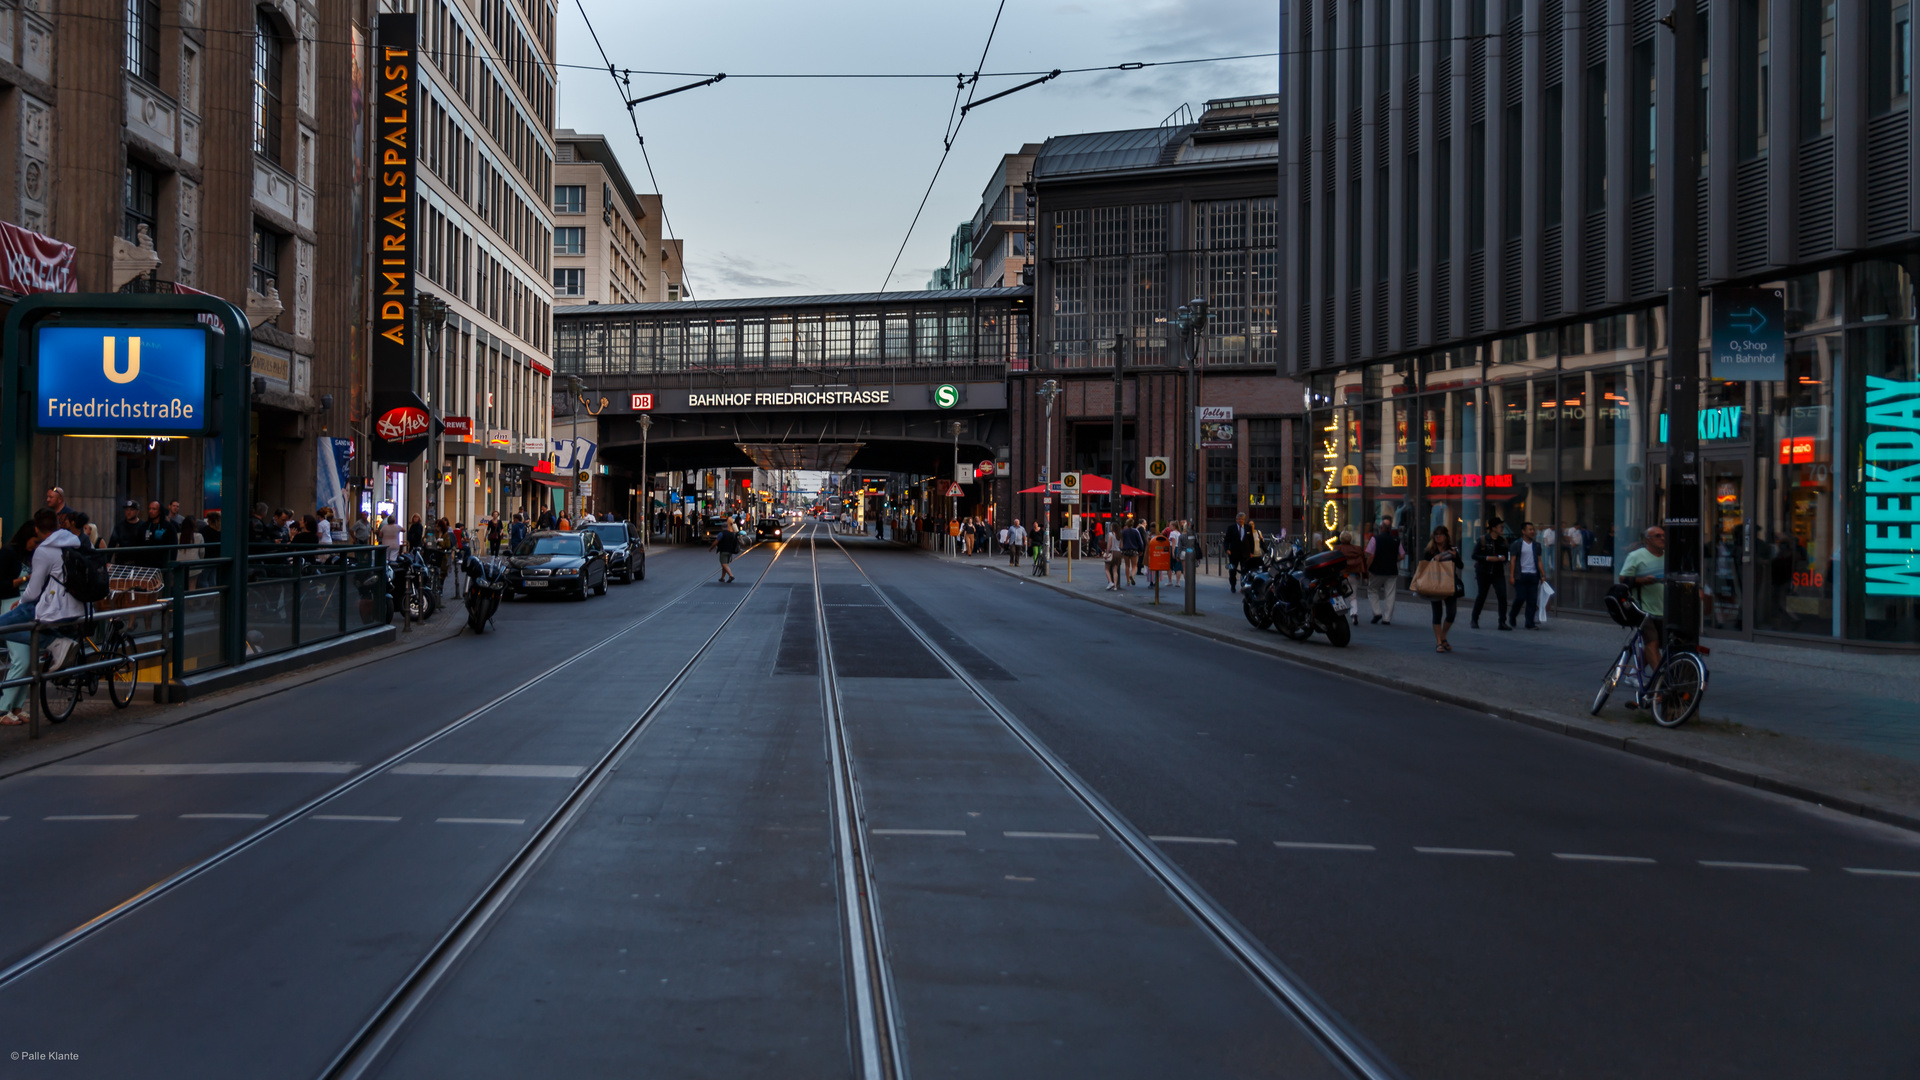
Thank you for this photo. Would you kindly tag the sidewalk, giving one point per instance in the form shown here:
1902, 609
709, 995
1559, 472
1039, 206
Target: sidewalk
1841, 729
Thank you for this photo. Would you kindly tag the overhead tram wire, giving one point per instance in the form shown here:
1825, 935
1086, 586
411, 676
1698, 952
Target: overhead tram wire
947, 137
625, 97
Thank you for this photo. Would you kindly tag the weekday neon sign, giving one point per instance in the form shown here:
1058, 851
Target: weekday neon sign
1890, 496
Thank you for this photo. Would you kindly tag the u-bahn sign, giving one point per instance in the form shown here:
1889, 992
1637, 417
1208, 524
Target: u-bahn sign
886, 398
120, 380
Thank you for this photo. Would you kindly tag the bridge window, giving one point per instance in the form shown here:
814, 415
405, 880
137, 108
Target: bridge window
926, 337
866, 338
779, 342
836, 338
753, 342
898, 339
726, 343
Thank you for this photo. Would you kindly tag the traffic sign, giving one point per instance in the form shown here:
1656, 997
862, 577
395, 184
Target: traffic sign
1158, 468
986, 469
1070, 481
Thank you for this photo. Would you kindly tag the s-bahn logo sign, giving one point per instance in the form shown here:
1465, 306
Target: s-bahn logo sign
947, 395
117, 380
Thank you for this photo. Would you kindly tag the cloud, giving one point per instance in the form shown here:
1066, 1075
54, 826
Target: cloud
737, 275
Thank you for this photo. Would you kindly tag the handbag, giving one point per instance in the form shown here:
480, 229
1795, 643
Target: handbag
1434, 580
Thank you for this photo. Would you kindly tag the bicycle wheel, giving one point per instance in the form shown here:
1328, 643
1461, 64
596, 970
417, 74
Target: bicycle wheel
124, 676
1677, 693
59, 697
1614, 675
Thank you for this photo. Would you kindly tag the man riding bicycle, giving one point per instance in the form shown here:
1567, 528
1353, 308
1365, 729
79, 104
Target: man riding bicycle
1646, 571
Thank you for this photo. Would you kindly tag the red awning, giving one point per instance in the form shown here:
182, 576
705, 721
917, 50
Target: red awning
552, 480
1097, 485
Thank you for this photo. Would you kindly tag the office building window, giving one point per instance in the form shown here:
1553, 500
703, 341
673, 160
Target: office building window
1889, 55
266, 260
1477, 181
143, 39
1443, 200
1594, 130
1382, 233
140, 201
1818, 78
570, 199
570, 241
1752, 46
1641, 154
269, 54
1410, 214
1510, 137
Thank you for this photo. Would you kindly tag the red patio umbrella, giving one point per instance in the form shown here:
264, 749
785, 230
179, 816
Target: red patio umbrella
1097, 485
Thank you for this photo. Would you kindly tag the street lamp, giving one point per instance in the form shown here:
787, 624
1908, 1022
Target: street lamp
646, 478
1049, 390
954, 513
1191, 319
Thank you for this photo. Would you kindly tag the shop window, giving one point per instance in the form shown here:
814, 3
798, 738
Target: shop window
1600, 510
1881, 289
1794, 527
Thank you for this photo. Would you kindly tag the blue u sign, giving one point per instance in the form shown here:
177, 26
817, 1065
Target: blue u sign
117, 380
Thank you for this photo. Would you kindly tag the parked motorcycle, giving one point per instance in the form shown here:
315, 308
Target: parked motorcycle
1257, 592
410, 584
1312, 592
486, 583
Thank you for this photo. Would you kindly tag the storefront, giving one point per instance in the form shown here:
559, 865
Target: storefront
1813, 525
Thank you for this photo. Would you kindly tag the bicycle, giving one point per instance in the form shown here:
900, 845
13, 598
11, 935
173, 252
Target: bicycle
61, 691
1671, 689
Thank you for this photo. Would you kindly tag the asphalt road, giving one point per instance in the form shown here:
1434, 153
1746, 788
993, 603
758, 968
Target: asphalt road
1473, 898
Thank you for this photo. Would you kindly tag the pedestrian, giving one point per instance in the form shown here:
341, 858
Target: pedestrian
45, 598
1383, 570
727, 543
210, 531
494, 533
127, 532
1037, 540
517, 532
1440, 550
1490, 557
56, 502
1176, 537
1645, 571
309, 532
1356, 568
389, 533
323, 526
416, 534
1239, 549
1112, 555
1014, 542
1524, 570
361, 531
1133, 544
158, 533
15, 557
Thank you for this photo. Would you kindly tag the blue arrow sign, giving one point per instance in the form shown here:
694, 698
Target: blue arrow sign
1749, 334
1751, 321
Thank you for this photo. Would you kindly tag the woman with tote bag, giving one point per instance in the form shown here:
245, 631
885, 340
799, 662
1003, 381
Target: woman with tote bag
1438, 579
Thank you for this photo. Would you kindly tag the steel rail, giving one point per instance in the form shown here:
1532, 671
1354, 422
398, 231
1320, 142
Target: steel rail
876, 1006
1336, 1038
193, 870
378, 1033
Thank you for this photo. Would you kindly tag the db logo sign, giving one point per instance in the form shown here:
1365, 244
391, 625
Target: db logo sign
404, 424
642, 402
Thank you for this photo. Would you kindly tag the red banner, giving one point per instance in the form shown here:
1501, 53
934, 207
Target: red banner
31, 263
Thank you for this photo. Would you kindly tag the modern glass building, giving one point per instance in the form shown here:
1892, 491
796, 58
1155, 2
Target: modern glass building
1477, 272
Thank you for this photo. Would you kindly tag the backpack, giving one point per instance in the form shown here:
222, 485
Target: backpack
83, 573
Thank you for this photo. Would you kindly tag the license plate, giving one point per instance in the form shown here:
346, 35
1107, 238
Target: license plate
1342, 603
533, 584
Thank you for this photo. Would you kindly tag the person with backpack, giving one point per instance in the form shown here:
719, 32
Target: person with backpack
57, 561
14, 557
727, 543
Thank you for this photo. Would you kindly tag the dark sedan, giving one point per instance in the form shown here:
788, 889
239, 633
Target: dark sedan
768, 529
558, 562
626, 559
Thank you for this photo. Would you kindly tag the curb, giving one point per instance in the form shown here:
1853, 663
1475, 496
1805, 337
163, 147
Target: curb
1574, 727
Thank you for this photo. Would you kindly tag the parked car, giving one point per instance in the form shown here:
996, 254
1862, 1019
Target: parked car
626, 559
558, 562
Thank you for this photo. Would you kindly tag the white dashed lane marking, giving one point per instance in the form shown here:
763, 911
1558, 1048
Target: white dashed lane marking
1867, 871
1309, 845
481, 820
1579, 857
353, 817
1720, 864
1052, 835
223, 817
917, 832
217, 768
1464, 851
90, 817
1193, 840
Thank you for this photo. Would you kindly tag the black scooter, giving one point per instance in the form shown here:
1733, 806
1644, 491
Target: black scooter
486, 583
1311, 592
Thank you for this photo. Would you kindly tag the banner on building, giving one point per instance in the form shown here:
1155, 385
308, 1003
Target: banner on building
32, 263
330, 488
1216, 427
399, 434
574, 455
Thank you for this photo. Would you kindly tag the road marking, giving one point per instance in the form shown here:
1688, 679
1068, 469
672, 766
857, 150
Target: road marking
1575, 857
1016, 877
1052, 835
1864, 871
222, 817
481, 820
90, 817
542, 772
216, 768
917, 832
1722, 865
1309, 845
352, 817
1463, 851
1193, 840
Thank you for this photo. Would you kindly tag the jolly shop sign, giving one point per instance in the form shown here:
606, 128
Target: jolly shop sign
1890, 494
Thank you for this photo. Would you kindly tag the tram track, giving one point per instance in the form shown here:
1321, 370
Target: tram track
51, 949
1335, 1037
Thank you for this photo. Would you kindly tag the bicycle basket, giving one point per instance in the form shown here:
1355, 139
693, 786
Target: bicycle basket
1620, 605
123, 578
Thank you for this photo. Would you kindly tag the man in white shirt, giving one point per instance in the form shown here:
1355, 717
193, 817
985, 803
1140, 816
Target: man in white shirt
1525, 570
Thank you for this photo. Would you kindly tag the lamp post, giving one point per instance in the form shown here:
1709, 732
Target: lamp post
1049, 390
432, 313
1191, 320
646, 479
953, 514
575, 388
1684, 500
1117, 341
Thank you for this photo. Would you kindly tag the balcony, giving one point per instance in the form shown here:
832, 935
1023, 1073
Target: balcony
160, 122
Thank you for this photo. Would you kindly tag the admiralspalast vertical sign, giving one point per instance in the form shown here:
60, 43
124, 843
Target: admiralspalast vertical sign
401, 424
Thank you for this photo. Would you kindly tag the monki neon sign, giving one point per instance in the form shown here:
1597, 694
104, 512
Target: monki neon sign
1890, 497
